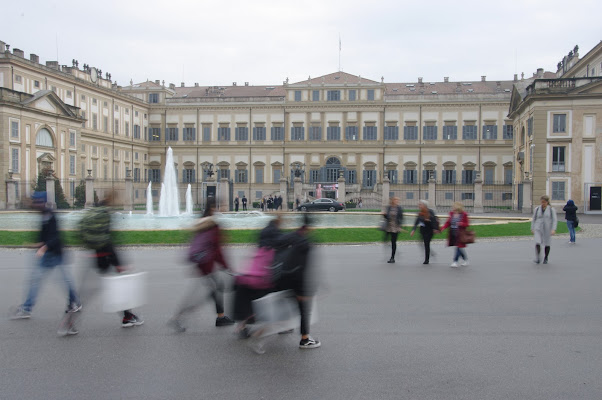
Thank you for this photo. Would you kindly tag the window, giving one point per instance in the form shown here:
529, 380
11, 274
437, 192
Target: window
135, 113
315, 133
105, 124
258, 174
530, 126
369, 179
558, 159
224, 173
136, 131
449, 177
409, 176
72, 164
137, 176
154, 175
558, 190
188, 175
370, 132
489, 132
429, 132
469, 132
468, 177
127, 129
297, 95
371, 94
508, 132
315, 95
105, 151
83, 97
351, 177
69, 94
44, 138
333, 133
241, 133
94, 101
410, 132
277, 173
449, 195
489, 176
18, 78
333, 95
314, 176
71, 139
277, 133
450, 132
259, 133
351, 133
489, 196
83, 117
391, 133
240, 176
14, 129
223, 134
94, 122
116, 131
409, 195
189, 134
468, 196
392, 175
297, 133
154, 134
83, 148
507, 196
352, 95
559, 123
426, 175
15, 161
153, 97
36, 84
258, 194
127, 111
206, 133
508, 176
171, 134
136, 156
116, 108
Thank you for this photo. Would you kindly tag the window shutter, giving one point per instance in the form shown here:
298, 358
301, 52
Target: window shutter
364, 178
495, 131
453, 177
397, 133
364, 132
555, 129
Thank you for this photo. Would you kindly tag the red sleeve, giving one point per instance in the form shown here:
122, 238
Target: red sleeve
465, 220
447, 223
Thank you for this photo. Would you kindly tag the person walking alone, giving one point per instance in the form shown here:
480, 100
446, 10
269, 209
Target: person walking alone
457, 222
543, 226
236, 203
394, 220
571, 218
244, 202
428, 223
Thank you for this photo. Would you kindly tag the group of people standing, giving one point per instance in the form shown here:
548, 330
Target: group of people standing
238, 201
271, 203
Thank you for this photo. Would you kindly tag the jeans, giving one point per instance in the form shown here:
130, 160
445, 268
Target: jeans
571, 226
460, 253
47, 263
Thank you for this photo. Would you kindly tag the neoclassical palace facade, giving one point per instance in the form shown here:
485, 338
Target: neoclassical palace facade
76, 121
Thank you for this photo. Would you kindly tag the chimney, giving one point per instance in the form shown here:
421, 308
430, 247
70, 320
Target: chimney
19, 52
446, 79
182, 84
196, 84
2, 46
515, 77
52, 64
233, 83
157, 81
483, 78
246, 83
458, 87
34, 58
419, 79
540, 73
498, 87
172, 85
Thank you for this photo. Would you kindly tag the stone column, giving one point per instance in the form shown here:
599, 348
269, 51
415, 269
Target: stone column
386, 189
89, 190
11, 192
297, 190
342, 188
527, 196
50, 194
284, 194
432, 193
128, 201
224, 195
478, 194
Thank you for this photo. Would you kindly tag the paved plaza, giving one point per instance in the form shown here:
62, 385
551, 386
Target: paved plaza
501, 328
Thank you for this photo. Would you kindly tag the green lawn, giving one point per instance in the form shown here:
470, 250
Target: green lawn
338, 235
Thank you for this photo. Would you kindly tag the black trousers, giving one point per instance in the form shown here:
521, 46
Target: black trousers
427, 236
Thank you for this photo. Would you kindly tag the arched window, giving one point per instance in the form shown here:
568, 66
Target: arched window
333, 166
44, 138
333, 161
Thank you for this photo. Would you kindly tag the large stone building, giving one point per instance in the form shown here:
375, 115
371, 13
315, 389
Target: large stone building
255, 138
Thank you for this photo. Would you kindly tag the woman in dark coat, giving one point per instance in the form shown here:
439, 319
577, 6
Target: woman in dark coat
393, 221
457, 222
571, 217
428, 223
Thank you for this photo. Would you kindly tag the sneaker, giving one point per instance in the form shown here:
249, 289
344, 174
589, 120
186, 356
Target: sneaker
545, 260
70, 331
391, 261
309, 343
19, 313
465, 263
224, 321
73, 308
454, 264
131, 320
536, 261
176, 325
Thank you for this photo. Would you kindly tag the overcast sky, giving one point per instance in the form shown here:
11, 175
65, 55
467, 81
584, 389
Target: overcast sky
264, 42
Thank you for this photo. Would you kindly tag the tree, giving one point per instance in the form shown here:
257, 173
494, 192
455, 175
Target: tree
80, 195
61, 201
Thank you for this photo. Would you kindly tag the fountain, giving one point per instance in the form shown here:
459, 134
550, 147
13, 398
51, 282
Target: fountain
149, 199
189, 200
169, 200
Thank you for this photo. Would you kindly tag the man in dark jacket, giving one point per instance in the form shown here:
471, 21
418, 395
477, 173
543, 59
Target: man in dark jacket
50, 254
572, 221
244, 202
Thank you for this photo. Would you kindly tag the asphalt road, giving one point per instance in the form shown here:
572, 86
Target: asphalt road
501, 328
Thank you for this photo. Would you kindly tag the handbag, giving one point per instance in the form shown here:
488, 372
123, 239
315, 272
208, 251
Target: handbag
200, 248
576, 222
467, 236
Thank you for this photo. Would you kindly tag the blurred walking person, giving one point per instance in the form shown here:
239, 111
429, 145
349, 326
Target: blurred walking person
543, 226
205, 252
244, 202
570, 210
394, 220
457, 222
428, 223
50, 257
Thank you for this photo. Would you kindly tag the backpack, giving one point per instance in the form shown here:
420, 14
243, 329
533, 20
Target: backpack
95, 228
201, 248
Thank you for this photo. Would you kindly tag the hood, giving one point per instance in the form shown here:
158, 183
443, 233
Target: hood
204, 224
570, 203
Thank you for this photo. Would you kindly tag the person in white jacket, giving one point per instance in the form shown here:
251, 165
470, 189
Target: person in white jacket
543, 226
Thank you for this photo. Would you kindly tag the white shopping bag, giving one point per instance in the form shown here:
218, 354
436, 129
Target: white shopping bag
279, 312
123, 292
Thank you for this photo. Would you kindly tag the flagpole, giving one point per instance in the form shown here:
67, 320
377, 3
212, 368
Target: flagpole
339, 52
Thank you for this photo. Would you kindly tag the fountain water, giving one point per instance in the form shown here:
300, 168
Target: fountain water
149, 199
189, 200
169, 201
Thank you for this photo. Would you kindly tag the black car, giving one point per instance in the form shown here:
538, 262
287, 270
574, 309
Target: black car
321, 205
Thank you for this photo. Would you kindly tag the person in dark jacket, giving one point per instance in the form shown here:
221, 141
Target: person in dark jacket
244, 202
50, 255
427, 221
393, 222
236, 203
457, 222
571, 217
206, 274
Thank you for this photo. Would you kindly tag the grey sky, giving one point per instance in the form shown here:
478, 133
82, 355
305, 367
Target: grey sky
264, 42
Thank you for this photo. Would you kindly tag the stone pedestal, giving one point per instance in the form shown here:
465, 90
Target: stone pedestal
11, 194
386, 189
478, 194
89, 191
224, 195
342, 189
128, 201
527, 196
284, 194
50, 193
297, 190
432, 193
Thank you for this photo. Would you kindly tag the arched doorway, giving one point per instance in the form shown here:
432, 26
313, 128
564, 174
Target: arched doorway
333, 166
